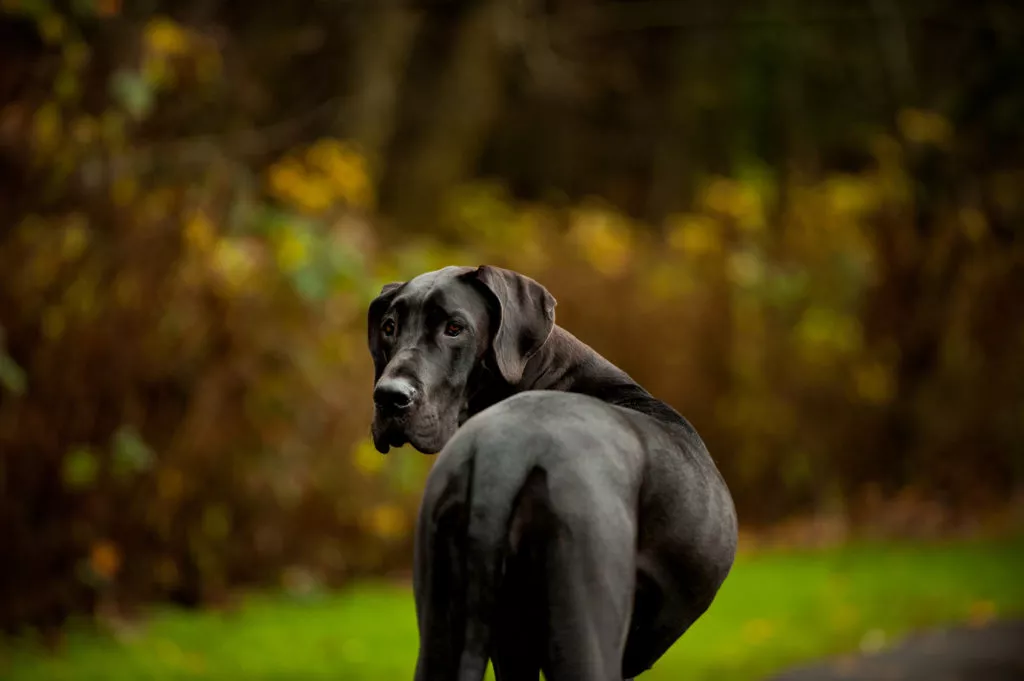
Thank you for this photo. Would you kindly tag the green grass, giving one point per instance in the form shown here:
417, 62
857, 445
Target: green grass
774, 610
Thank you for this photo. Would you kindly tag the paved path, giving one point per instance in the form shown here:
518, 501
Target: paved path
994, 652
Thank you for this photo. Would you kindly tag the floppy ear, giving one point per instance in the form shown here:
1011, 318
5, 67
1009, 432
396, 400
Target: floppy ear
525, 317
373, 321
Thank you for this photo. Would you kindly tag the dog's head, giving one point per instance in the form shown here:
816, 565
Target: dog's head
430, 338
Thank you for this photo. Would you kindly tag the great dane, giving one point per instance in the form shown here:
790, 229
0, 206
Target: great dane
572, 523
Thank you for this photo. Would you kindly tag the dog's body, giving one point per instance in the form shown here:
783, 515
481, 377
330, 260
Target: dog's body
574, 523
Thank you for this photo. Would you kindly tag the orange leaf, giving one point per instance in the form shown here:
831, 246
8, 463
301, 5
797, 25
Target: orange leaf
105, 559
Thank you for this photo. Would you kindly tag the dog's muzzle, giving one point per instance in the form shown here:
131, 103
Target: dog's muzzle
393, 400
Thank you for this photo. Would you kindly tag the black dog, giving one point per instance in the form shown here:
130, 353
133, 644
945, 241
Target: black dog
575, 524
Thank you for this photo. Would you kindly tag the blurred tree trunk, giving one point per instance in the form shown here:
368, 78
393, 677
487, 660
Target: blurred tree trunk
672, 177
380, 58
451, 111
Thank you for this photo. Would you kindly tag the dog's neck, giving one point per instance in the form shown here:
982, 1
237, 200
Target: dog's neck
567, 364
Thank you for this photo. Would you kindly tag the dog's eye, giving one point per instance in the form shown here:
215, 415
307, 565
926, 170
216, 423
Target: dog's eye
388, 327
452, 329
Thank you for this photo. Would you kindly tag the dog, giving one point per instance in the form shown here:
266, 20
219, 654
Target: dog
572, 523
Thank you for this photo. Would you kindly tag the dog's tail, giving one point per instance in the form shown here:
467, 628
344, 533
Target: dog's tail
495, 496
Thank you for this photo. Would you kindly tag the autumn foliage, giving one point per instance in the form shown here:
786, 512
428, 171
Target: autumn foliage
184, 384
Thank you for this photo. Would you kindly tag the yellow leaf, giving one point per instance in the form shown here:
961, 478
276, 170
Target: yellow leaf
366, 457
745, 268
292, 252
346, 169
236, 262
314, 196
157, 71
974, 224
52, 28
874, 383
53, 323
290, 182
325, 153
333, 171
694, 235
850, 195
200, 232
924, 127
736, 200
604, 241
525, 238
164, 36
123, 190
283, 176
46, 126
76, 238
828, 331
386, 521
664, 281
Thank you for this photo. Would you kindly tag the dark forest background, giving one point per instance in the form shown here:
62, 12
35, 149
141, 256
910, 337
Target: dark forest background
798, 222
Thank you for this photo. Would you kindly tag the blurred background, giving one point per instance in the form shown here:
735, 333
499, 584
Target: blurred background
800, 223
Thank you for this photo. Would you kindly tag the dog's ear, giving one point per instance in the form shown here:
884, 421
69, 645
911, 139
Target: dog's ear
525, 316
374, 318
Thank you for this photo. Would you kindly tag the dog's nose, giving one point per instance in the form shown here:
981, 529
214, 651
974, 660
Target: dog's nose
394, 395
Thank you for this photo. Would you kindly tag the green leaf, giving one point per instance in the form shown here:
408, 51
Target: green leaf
80, 468
12, 376
132, 92
66, 86
216, 521
131, 453
86, 8
409, 472
35, 7
310, 283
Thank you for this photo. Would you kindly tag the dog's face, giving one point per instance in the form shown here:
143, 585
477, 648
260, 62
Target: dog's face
429, 339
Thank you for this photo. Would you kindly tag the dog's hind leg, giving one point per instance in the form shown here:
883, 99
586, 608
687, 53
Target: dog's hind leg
591, 573
659, 620
461, 548
519, 633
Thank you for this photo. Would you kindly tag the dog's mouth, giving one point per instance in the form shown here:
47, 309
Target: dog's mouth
384, 438
426, 435
387, 433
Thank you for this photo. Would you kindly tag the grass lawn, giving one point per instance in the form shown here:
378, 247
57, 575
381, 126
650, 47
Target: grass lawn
774, 610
